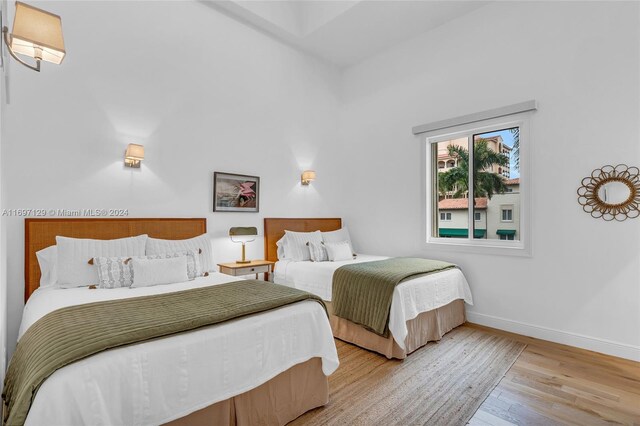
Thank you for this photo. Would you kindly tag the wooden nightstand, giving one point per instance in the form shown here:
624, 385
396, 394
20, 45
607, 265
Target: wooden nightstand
254, 267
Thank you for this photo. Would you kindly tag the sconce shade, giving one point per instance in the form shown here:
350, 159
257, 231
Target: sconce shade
133, 155
308, 176
135, 152
37, 34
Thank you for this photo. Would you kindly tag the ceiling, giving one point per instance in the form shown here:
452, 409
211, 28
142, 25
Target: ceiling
348, 31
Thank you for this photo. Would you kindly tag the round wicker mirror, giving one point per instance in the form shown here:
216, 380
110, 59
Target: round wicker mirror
611, 193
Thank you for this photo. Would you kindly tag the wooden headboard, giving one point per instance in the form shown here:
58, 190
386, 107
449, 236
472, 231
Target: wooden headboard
274, 230
41, 233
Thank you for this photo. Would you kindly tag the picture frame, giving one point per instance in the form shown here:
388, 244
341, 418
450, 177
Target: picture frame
236, 193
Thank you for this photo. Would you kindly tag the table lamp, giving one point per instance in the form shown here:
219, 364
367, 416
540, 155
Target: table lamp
240, 234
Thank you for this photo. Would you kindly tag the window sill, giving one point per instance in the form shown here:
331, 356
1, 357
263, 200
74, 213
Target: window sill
487, 247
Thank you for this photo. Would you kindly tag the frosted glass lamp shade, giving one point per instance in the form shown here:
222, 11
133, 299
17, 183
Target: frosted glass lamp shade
37, 34
308, 176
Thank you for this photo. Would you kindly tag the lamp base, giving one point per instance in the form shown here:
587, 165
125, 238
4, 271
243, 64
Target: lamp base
243, 261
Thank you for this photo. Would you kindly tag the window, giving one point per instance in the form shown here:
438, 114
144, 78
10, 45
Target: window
507, 214
478, 198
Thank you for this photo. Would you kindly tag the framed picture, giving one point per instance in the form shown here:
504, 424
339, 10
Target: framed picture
235, 193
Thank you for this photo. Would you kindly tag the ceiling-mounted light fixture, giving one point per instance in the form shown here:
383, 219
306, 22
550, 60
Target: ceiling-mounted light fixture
36, 34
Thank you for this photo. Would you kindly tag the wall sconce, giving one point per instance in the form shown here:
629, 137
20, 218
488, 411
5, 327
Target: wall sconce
134, 155
243, 235
36, 34
307, 177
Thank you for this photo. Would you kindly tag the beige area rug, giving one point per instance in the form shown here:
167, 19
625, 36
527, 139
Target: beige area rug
442, 383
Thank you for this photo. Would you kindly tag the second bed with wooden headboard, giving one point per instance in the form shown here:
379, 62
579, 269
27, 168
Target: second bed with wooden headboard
423, 309
201, 376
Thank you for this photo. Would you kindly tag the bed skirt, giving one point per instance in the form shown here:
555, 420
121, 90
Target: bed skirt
276, 402
426, 327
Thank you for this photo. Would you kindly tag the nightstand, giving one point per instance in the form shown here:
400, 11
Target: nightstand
254, 267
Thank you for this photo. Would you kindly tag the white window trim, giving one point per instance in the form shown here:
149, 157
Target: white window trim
504, 207
523, 247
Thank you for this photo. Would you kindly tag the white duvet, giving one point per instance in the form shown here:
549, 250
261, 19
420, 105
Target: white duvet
410, 298
161, 380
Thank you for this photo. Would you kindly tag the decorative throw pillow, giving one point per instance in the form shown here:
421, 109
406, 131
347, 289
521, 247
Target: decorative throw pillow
201, 244
339, 251
296, 244
337, 236
114, 272
74, 254
194, 267
117, 272
148, 272
318, 252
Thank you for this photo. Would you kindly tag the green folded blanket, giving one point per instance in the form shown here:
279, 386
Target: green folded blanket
362, 292
77, 332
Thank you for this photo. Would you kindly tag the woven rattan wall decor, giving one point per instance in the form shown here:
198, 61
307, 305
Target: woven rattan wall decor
611, 193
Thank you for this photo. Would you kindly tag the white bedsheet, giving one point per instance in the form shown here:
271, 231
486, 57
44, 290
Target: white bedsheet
410, 298
158, 381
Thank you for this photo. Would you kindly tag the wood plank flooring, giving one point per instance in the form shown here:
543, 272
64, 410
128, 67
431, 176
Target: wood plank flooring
548, 385
552, 384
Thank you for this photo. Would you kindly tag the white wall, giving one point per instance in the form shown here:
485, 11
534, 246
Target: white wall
581, 62
201, 91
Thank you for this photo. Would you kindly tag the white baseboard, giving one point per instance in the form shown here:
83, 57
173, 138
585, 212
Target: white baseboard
608, 347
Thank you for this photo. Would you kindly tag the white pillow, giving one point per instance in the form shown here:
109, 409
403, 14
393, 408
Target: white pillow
48, 261
148, 272
318, 252
194, 267
339, 251
117, 272
74, 254
296, 244
338, 236
201, 242
281, 250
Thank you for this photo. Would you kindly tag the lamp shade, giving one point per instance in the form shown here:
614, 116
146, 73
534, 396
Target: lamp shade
37, 34
308, 176
134, 152
243, 233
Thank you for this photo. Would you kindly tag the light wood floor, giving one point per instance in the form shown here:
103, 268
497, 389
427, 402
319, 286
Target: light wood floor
552, 384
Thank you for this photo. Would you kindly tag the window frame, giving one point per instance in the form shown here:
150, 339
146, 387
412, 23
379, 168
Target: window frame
521, 247
503, 208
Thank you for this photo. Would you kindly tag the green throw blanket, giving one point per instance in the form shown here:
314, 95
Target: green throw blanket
362, 292
76, 332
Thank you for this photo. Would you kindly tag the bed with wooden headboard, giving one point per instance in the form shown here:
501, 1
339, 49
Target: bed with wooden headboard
268, 403
274, 230
427, 326
41, 233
